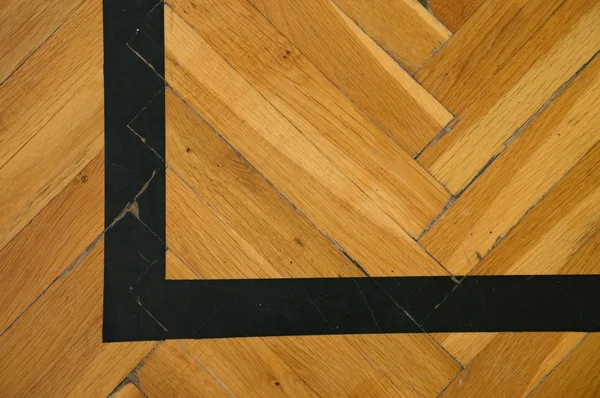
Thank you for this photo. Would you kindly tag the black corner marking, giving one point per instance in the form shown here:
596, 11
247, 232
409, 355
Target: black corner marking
140, 304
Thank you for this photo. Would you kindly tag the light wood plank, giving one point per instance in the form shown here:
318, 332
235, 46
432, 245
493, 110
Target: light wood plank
56, 349
52, 241
129, 390
52, 103
171, 372
561, 235
512, 364
352, 182
454, 13
176, 269
26, 25
497, 71
327, 366
344, 53
577, 375
233, 216
464, 347
403, 28
532, 164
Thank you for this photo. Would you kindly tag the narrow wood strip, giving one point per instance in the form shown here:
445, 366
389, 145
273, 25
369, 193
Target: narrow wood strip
403, 28
454, 13
498, 71
561, 235
25, 25
532, 164
577, 375
344, 54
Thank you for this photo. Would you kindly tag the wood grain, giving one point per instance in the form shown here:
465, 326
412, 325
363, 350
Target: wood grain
53, 102
518, 179
344, 179
561, 235
344, 54
501, 68
454, 13
226, 213
382, 365
577, 374
56, 349
128, 390
512, 364
187, 378
403, 28
53, 240
25, 26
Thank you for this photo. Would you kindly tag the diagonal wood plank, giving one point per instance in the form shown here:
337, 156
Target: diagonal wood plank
403, 28
53, 102
577, 375
349, 58
497, 71
561, 235
24, 27
233, 216
171, 371
526, 359
128, 390
383, 365
52, 241
454, 13
520, 176
354, 183
55, 348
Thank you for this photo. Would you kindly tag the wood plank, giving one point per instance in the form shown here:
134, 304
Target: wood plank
128, 390
171, 372
577, 375
344, 179
360, 365
226, 213
464, 347
454, 13
176, 269
520, 176
561, 235
526, 358
53, 102
403, 28
25, 26
501, 68
52, 241
345, 55
56, 349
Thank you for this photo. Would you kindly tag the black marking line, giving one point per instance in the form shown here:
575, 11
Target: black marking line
140, 304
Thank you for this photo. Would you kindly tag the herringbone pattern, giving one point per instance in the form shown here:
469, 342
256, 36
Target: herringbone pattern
303, 138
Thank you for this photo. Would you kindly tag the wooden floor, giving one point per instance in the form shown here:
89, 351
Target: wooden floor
304, 137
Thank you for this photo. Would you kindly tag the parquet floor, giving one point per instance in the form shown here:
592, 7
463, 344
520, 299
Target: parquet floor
306, 139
